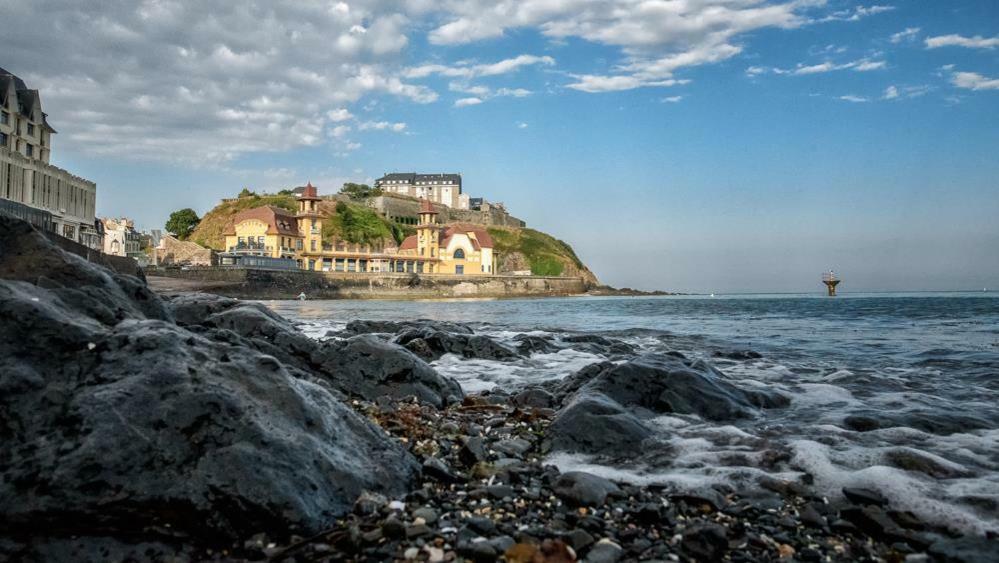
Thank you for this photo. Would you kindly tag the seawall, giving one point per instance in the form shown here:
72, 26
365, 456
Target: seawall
249, 283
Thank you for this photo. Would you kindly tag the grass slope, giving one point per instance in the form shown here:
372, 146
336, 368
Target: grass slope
209, 231
546, 255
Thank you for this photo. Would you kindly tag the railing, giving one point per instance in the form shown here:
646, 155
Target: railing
249, 248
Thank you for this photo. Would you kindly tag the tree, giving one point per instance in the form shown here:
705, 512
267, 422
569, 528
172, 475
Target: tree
359, 191
247, 193
182, 223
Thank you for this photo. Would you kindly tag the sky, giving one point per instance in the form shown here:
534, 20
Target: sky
687, 145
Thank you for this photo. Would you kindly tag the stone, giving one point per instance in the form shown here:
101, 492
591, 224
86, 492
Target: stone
600, 345
858, 495
528, 344
534, 397
473, 451
860, 423
428, 514
514, 446
705, 542
368, 367
967, 549
594, 424
125, 424
579, 539
439, 342
664, 384
578, 488
437, 469
604, 551
392, 327
911, 459
741, 355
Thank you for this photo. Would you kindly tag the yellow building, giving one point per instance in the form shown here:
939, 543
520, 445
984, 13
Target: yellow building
450, 249
272, 236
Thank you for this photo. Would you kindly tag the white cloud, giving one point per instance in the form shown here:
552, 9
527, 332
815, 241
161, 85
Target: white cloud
338, 115
854, 99
671, 99
463, 102
382, 126
203, 83
898, 92
860, 65
954, 40
469, 70
521, 125
907, 34
857, 13
891, 93
756, 70
974, 81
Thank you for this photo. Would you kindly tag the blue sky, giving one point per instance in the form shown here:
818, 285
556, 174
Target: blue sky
695, 145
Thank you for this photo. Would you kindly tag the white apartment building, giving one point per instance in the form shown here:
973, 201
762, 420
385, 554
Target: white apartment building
66, 202
121, 238
438, 188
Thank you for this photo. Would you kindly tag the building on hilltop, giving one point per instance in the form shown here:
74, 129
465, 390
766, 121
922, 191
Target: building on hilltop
444, 189
274, 237
451, 249
30, 187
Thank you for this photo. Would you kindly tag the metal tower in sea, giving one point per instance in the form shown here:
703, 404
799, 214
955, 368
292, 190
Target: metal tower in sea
831, 282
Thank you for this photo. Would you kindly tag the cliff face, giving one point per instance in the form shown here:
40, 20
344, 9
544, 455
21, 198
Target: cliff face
544, 255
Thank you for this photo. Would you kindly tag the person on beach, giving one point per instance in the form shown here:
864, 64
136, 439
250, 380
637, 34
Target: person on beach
301, 296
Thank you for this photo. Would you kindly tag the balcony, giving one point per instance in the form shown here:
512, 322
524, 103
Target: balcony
251, 249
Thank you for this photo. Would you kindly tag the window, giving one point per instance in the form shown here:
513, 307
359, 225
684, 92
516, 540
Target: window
4, 118
312, 245
3, 139
298, 244
31, 129
29, 150
459, 270
459, 254
260, 241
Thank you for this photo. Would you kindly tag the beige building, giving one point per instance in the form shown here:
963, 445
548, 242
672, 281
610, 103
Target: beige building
450, 249
62, 202
171, 251
121, 238
444, 189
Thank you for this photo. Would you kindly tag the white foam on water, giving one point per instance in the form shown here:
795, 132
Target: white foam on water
820, 394
834, 469
477, 375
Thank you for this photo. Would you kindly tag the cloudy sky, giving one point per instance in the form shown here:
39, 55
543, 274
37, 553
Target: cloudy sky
699, 145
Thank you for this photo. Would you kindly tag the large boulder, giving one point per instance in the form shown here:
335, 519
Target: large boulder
120, 428
369, 367
393, 327
433, 344
594, 424
665, 384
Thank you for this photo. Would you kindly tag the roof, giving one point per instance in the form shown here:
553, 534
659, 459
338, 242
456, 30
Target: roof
481, 239
408, 243
427, 207
413, 177
309, 192
28, 100
279, 221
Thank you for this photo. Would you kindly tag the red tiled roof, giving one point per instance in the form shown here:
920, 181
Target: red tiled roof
310, 192
409, 243
279, 221
427, 207
481, 240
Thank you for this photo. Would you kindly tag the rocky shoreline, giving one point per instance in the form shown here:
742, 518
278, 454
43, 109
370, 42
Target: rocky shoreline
195, 427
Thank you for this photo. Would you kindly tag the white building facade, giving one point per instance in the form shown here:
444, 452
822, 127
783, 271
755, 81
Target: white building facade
27, 178
444, 189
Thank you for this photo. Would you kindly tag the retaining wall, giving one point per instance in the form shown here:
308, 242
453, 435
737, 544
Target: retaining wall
248, 283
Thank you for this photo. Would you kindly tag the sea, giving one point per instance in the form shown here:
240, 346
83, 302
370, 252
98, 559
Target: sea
924, 366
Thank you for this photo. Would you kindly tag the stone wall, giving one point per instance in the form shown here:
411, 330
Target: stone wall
120, 264
396, 208
274, 284
173, 251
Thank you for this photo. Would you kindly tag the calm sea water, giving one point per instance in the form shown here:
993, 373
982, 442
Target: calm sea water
925, 364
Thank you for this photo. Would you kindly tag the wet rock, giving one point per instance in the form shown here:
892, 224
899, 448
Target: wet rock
705, 542
194, 308
516, 447
473, 451
860, 423
858, 495
604, 551
600, 345
579, 539
368, 367
810, 516
666, 385
529, 344
264, 330
700, 497
534, 397
969, 549
439, 470
740, 355
578, 488
921, 462
429, 515
369, 503
438, 343
594, 424
394, 327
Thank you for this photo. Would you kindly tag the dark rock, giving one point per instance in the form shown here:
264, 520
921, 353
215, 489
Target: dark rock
858, 495
600, 345
438, 343
666, 385
967, 549
515, 447
477, 550
127, 426
578, 488
604, 551
705, 542
428, 514
393, 327
594, 424
534, 397
810, 516
194, 308
565, 388
700, 497
529, 344
473, 451
579, 539
393, 528
741, 355
418, 530
370, 368
500, 491
369, 503
480, 525
859, 423
437, 469
914, 460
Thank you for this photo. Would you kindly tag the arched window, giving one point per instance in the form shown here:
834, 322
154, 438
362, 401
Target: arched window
459, 254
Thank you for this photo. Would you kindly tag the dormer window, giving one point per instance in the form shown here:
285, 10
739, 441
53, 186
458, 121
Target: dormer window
31, 129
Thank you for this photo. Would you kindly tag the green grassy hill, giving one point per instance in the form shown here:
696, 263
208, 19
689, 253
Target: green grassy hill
541, 253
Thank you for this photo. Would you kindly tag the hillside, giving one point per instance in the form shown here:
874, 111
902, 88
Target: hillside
541, 253
355, 222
